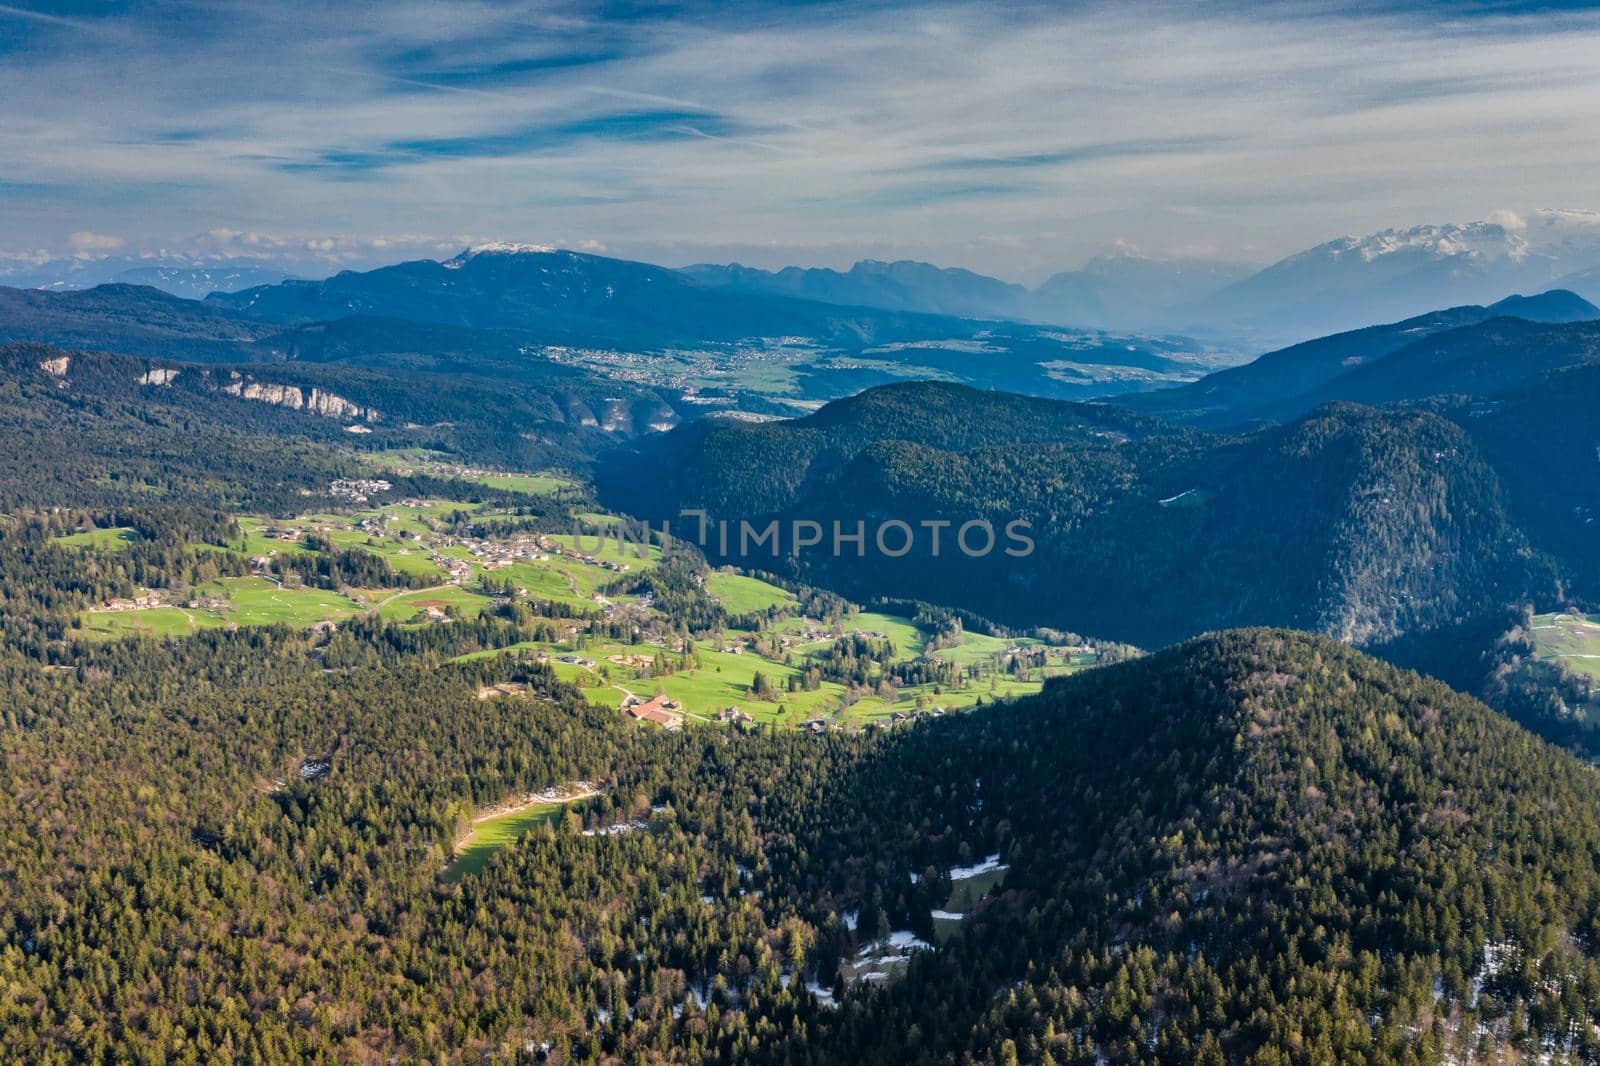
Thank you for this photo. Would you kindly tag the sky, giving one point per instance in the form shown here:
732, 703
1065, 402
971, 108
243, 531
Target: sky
1013, 139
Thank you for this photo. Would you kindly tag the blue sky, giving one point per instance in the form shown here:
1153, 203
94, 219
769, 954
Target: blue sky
1014, 139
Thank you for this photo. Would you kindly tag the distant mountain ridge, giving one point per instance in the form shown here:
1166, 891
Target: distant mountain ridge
1121, 291
192, 277
1338, 285
903, 285
134, 319
556, 297
1461, 349
608, 300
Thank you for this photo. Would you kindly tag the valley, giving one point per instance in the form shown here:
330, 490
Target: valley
590, 595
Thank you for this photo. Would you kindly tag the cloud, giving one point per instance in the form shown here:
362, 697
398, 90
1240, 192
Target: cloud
1511, 220
84, 242
1015, 139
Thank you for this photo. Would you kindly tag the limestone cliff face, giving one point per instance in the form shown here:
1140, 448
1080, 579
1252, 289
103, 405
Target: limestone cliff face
313, 400
615, 417
326, 403
56, 367
159, 375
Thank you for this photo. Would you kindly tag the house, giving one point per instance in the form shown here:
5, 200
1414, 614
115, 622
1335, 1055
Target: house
657, 711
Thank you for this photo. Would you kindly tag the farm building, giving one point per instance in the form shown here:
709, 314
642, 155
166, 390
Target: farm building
657, 711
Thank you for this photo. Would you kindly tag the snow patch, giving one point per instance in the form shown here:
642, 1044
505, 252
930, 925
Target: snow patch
989, 865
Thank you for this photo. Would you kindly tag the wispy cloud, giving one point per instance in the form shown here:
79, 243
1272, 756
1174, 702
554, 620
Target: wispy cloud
1016, 139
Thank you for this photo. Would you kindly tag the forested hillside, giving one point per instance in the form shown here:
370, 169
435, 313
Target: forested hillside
91, 429
1354, 522
1260, 847
1542, 437
1256, 847
1232, 396
135, 319
743, 469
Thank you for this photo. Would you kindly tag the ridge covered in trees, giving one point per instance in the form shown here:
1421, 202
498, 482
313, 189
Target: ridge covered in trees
1256, 847
1361, 523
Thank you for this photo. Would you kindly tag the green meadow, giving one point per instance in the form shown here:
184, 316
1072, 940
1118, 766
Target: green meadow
739, 594
413, 606
155, 622
1569, 637
492, 834
114, 538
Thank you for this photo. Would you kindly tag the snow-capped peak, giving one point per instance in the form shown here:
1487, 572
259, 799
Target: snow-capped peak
496, 248
1479, 240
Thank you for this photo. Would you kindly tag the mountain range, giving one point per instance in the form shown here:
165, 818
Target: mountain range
1339, 285
1335, 286
189, 276
1116, 292
1352, 282
1378, 486
603, 300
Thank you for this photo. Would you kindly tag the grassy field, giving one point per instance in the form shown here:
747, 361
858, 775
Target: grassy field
438, 464
1572, 638
609, 546
258, 539
155, 622
403, 557
908, 639
874, 708
250, 601
407, 606
533, 484
257, 601
745, 595
113, 539
964, 895
544, 581
724, 680
492, 834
